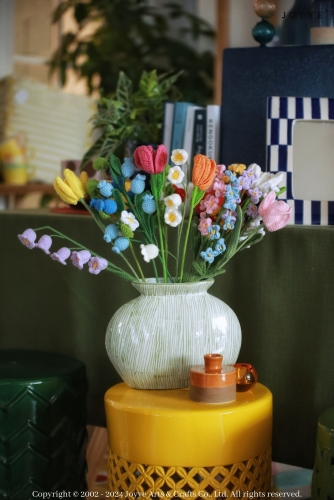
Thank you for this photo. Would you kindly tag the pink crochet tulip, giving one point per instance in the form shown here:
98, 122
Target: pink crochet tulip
149, 161
275, 214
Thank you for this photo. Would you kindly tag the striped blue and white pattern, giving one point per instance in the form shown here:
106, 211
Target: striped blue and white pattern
281, 113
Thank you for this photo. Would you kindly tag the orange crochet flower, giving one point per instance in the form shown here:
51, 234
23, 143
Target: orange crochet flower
203, 172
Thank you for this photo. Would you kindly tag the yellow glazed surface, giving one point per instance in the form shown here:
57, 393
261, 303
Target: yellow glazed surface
166, 427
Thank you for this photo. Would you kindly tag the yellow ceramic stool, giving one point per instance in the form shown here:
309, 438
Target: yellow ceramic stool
163, 445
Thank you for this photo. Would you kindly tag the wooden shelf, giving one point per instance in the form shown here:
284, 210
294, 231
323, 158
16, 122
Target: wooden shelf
14, 191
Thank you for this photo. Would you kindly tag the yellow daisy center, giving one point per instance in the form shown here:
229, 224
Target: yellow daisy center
170, 203
178, 157
172, 217
175, 175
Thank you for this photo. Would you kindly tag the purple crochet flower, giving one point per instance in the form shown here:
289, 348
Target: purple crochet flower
61, 255
255, 195
97, 264
44, 243
80, 258
27, 238
252, 210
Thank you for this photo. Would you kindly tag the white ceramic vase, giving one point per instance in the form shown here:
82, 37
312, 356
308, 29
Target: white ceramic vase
153, 340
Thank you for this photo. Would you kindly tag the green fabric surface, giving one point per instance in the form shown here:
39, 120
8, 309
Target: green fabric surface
281, 290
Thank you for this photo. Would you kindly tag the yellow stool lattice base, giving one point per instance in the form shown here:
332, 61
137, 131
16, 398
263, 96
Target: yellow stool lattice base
136, 480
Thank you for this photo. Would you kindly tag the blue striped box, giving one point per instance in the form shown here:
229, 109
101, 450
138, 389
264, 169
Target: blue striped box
281, 114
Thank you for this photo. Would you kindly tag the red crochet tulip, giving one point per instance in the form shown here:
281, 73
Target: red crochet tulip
149, 161
275, 214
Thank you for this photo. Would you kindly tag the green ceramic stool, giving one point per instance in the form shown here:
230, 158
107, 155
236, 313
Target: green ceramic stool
42, 424
323, 472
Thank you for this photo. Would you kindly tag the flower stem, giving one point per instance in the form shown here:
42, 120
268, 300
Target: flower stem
192, 203
154, 190
128, 264
98, 222
136, 260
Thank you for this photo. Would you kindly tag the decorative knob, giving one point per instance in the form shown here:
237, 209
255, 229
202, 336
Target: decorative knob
265, 8
263, 32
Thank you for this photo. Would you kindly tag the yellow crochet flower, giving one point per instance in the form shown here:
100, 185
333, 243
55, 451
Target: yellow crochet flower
73, 188
237, 168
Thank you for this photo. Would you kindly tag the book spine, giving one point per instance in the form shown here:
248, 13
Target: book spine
180, 114
199, 138
212, 131
189, 129
168, 127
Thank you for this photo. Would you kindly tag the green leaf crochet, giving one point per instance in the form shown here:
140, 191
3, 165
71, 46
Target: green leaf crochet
126, 230
91, 188
119, 200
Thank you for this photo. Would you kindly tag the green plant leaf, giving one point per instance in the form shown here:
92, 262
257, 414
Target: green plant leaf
124, 90
119, 200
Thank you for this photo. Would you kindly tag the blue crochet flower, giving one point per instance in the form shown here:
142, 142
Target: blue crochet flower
209, 255
148, 205
120, 244
214, 232
220, 246
231, 175
97, 203
127, 167
105, 188
110, 207
110, 233
138, 184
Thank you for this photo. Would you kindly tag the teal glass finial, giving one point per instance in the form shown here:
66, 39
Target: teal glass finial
263, 32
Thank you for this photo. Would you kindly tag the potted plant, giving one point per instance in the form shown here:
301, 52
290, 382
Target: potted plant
130, 118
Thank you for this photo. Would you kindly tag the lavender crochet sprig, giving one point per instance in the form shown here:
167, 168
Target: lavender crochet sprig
80, 256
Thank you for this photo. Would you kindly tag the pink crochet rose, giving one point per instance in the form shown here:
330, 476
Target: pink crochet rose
275, 214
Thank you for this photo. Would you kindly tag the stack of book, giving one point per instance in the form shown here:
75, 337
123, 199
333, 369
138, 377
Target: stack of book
193, 128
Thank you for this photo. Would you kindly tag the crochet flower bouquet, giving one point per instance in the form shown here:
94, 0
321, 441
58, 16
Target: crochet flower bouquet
229, 208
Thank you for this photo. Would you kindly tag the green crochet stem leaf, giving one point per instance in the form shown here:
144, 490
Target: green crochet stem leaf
115, 165
195, 236
234, 236
199, 267
100, 164
196, 196
126, 231
103, 215
253, 240
118, 199
159, 180
215, 273
122, 274
91, 188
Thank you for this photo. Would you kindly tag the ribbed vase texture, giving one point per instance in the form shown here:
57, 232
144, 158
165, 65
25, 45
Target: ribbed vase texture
153, 340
